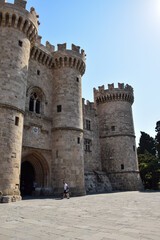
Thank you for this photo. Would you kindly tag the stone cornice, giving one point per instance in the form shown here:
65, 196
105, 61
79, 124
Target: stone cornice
41, 149
67, 128
5, 105
118, 135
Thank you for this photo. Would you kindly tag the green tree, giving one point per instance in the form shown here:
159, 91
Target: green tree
146, 143
149, 170
148, 161
158, 138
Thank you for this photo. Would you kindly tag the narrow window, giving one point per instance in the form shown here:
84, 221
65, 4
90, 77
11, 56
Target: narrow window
35, 103
38, 72
78, 140
113, 128
88, 124
38, 106
87, 143
77, 79
16, 121
59, 108
31, 104
0, 18
20, 43
134, 148
122, 166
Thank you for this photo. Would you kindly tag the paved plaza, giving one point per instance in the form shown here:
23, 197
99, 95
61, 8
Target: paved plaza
120, 215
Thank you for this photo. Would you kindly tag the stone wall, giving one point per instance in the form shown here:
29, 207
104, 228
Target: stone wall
37, 126
126, 181
18, 29
97, 182
10, 151
67, 161
92, 158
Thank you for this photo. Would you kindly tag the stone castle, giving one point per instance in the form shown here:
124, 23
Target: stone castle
47, 131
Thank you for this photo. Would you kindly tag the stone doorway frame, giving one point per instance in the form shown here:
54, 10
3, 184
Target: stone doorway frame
40, 165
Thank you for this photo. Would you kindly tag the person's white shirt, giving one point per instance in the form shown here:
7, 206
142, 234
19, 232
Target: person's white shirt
65, 186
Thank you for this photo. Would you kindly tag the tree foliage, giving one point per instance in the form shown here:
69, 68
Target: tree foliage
149, 165
149, 170
146, 143
158, 138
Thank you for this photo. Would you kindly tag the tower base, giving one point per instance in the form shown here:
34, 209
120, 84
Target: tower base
126, 181
9, 199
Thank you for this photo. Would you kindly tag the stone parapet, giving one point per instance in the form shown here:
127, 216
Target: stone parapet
69, 58
43, 54
17, 17
122, 93
88, 105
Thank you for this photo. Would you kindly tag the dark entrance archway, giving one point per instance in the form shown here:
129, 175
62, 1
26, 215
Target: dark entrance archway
34, 169
27, 178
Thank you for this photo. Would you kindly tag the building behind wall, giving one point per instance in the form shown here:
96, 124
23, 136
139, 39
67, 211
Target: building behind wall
48, 132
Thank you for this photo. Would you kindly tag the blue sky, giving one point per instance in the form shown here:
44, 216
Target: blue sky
121, 39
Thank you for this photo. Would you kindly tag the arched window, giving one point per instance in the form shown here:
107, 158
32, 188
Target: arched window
36, 100
35, 103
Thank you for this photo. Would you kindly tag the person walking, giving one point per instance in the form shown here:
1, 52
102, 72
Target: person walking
66, 190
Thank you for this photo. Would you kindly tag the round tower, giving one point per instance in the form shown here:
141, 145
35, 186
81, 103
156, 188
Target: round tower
117, 137
67, 130
18, 30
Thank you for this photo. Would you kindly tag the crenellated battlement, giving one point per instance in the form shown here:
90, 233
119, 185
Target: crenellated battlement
122, 93
73, 58
19, 3
57, 59
87, 104
43, 54
16, 16
74, 48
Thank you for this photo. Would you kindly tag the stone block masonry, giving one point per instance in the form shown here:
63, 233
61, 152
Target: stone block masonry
47, 132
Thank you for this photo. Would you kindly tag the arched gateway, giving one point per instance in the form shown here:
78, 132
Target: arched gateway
34, 168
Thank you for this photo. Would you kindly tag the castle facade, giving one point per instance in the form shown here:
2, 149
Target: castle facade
47, 131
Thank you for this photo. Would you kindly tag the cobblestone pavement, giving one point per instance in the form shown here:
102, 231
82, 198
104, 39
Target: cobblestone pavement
121, 215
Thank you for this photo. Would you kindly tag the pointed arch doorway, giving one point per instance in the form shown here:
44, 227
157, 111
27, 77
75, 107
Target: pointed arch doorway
34, 168
27, 178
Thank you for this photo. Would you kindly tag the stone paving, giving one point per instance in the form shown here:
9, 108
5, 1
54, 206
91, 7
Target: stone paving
112, 216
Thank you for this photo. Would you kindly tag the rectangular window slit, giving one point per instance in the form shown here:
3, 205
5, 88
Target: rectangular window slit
88, 124
20, 43
59, 108
16, 121
122, 166
87, 144
113, 128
